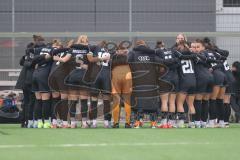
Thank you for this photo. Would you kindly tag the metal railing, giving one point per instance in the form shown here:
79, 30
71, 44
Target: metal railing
8, 77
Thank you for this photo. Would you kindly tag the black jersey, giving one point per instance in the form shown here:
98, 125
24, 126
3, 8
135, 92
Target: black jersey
169, 58
214, 59
41, 73
98, 74
204, 77
201, 63
186, 72
227, 71
215, 62
42, 52
101, 53
79, 53
186, 68
61, 52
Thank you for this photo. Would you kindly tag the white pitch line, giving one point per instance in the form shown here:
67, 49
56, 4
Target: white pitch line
103, 145
17, 146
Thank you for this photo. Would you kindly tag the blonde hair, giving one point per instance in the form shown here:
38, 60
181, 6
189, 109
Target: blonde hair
82, 39
184, 36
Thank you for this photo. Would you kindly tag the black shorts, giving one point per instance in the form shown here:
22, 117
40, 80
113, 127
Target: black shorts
40, 79
172, 77
56, 82
75, 80
230, 80
187, 84
205, 81
103, 82
219, 78
58, 74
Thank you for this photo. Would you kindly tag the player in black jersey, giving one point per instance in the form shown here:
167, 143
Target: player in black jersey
204, 84
42, 63
168, 98
187, 83
56, 83
75, 81
215, 62
229, 87
78, 81
101, 85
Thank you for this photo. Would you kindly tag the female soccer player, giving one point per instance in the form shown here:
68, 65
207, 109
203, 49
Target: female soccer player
79, 87
215, 60
187, 83
229, 88
168, 98
75, 81
42, 61
204, 84
180, 37
56, 82
102, 83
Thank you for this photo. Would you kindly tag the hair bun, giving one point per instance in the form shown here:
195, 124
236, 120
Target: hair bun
206, 40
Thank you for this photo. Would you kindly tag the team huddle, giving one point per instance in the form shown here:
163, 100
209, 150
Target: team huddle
187, 85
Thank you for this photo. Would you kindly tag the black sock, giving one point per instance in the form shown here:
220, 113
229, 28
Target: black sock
220, 109
164, 115
72, 109
198, 109
38, 109
84, 108
181, 115
93, 110
106, 110
63, 108
212, 109
46, 105
227, 112
54, 108
171, 116
205, 110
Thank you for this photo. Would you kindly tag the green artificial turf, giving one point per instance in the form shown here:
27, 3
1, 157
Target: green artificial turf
125, 144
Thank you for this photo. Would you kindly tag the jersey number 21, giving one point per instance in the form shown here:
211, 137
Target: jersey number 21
187, 66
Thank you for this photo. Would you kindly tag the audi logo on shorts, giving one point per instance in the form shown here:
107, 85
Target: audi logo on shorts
143, 58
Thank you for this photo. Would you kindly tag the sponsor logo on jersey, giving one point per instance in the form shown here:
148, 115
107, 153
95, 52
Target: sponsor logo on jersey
143, 58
